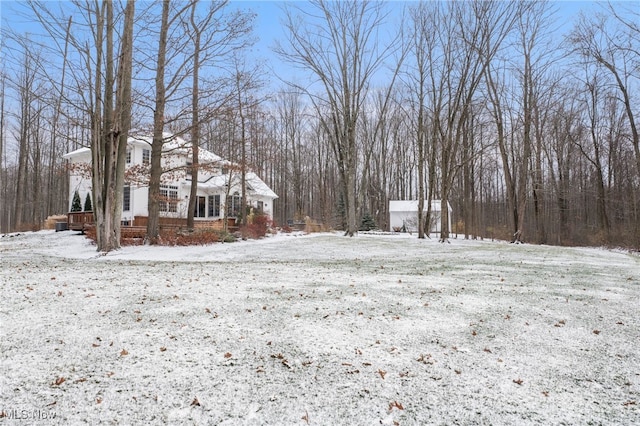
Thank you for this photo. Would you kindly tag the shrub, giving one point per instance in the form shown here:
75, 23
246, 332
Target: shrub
88, 207
175, 237
368, 223
76, 204
256, 229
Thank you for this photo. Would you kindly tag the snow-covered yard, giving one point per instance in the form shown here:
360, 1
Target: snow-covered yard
320, 330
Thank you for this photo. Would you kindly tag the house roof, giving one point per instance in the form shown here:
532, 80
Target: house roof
173, 144
412, 205
76, 153
257, 185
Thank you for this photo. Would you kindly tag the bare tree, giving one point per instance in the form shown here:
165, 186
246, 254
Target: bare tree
616, 48
111, 120
337, 43
157, 143
423, 49
214, 37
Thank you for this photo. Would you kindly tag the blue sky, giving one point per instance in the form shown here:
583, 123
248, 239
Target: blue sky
269, 15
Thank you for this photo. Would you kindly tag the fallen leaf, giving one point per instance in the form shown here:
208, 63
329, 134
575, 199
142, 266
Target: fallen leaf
98, 400
395, 404
596, 331
59, 381
227, 355
382, 373
162, 349
195, 402
518, 381
124, 352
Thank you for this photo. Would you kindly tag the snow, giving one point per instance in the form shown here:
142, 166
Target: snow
318, 329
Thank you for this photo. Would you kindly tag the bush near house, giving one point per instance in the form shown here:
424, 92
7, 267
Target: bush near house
88, 207
170, 237
257, 228
76, 204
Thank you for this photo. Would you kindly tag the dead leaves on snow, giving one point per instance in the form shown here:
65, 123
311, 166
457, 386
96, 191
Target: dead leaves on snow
396, 405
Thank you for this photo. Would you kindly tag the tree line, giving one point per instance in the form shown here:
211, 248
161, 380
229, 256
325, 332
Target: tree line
529, 133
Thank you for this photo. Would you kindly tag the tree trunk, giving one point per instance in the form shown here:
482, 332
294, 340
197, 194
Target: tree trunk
110, 136
153, 222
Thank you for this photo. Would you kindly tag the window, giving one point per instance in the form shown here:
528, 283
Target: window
128, 155
126, 198
146, 157
168, 198
260, 207
188, 170
201, 204
214, 205
233, 205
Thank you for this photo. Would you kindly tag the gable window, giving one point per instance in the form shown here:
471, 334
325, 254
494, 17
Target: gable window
126, 198
168, 198
214, 205
146, 157
128, 155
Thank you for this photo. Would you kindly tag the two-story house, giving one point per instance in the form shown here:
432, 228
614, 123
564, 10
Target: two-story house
218, 180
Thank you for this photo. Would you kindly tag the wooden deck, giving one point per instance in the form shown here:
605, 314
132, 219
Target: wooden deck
78, 221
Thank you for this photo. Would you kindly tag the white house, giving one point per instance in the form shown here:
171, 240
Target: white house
218, 179
403, 215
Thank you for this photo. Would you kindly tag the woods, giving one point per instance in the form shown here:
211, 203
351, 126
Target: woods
528, 127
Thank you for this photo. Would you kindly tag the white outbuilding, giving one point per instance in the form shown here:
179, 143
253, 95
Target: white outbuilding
403, 215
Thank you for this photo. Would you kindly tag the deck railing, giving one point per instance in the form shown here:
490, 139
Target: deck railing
78, 221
